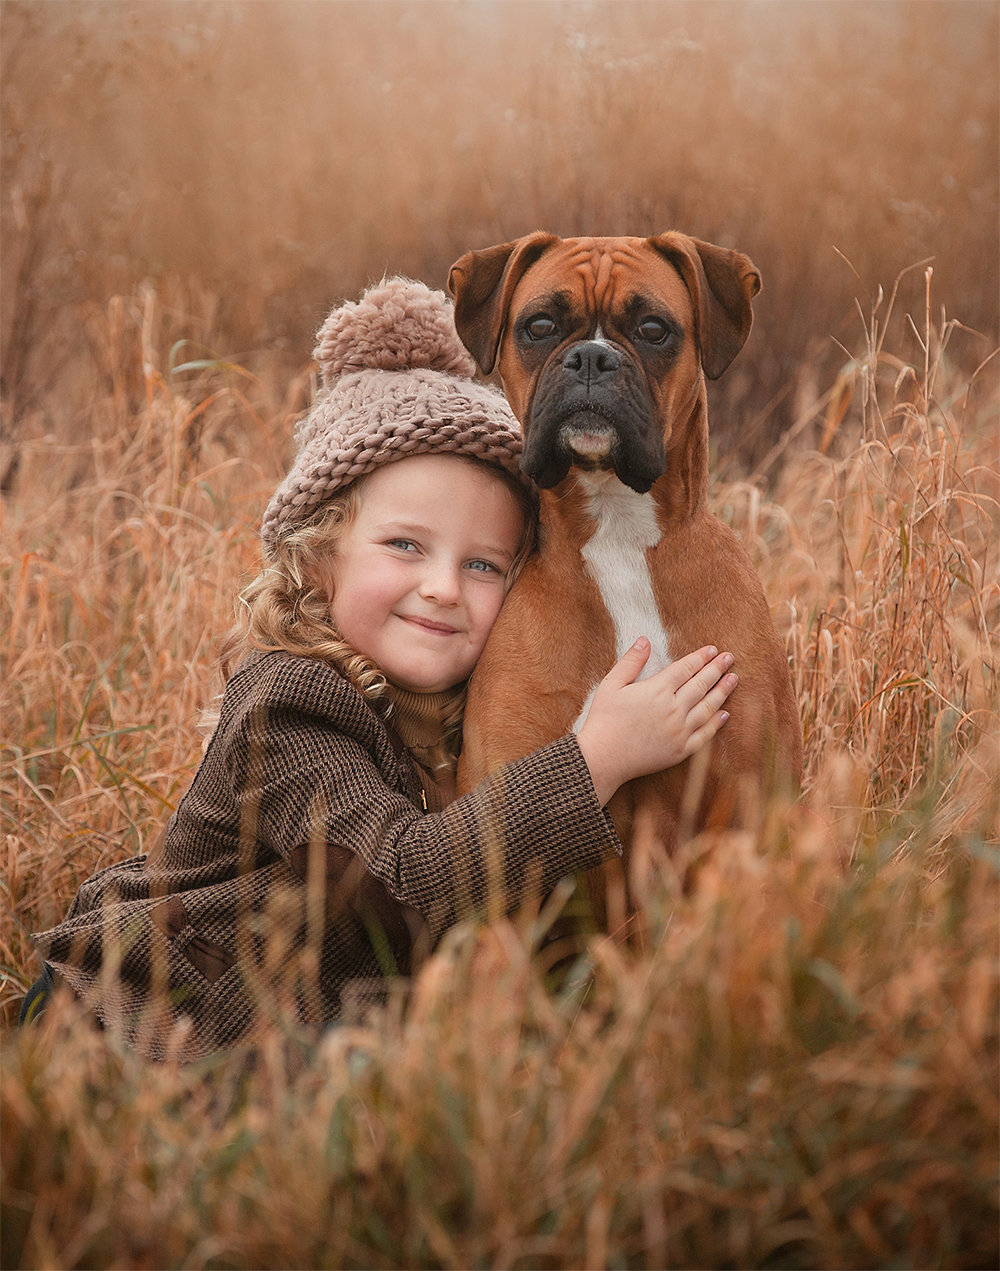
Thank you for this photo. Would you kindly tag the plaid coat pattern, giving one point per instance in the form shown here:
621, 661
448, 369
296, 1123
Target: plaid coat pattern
300, 867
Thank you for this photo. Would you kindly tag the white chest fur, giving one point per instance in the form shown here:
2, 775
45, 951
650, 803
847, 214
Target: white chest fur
615, 558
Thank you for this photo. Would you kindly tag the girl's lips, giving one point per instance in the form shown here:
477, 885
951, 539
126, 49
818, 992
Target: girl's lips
427, 624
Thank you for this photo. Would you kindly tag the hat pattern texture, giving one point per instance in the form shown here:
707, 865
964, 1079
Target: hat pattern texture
397, 381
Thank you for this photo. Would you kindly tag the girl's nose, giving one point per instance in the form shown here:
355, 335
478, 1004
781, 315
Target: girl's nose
441, 583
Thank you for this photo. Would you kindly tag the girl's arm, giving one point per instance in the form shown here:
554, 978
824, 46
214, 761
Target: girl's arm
528, 825
317, 767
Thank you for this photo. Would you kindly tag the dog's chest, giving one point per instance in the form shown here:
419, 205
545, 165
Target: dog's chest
615, 558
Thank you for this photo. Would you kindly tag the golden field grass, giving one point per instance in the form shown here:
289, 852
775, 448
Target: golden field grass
798, 1069
799, 1066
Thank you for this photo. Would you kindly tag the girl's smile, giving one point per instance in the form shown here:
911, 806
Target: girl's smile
419, 575
427, 625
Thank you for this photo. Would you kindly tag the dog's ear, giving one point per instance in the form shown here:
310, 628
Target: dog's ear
482, 284
722, 284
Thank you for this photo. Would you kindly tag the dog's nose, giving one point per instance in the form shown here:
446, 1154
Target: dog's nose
590, 361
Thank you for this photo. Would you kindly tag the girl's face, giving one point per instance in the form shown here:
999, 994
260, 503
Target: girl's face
418, 576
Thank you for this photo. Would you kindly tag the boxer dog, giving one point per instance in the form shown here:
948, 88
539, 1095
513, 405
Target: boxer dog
603, 345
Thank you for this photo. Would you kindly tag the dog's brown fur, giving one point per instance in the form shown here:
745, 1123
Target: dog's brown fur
555, 639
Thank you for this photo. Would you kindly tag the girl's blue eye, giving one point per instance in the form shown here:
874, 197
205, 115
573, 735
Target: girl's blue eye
484, 566
401, 542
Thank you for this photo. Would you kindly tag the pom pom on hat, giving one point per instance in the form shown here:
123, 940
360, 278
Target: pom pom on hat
397, 325
396, 382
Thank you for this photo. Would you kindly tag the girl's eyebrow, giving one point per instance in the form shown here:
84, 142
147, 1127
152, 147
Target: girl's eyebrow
386, 526
495, 551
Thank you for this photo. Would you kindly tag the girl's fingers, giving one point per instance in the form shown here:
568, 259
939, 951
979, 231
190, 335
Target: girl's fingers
695, 688
681, 673
626, 669
705, 733
709, 705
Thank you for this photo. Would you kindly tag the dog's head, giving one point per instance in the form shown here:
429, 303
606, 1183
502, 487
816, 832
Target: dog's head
601, 342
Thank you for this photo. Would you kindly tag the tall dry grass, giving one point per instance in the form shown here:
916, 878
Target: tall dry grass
802, 1075
879, 550
801, 1068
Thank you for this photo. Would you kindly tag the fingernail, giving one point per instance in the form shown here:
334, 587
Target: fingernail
733, 679
728, 660
723, 717
712, 651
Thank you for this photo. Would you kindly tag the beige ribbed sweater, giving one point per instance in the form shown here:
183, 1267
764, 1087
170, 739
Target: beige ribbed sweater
419, 718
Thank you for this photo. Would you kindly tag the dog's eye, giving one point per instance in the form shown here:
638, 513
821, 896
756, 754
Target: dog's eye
653, 330
540, 327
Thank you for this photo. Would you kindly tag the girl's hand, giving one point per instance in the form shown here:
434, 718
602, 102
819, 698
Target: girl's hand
637, 728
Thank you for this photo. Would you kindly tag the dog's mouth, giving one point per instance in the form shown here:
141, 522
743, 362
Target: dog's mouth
592, 444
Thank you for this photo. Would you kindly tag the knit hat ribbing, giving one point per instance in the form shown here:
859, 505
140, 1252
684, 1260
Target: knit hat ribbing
396, 382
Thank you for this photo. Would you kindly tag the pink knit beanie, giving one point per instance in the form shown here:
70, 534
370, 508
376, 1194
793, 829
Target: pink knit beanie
397, 381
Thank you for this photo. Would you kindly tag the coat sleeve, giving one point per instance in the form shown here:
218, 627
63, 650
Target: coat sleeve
529, 824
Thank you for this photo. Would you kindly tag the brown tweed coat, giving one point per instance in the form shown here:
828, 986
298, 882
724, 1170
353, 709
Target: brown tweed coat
301, 845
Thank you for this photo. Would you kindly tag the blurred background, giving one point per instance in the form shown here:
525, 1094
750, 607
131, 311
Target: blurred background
255, 162
187, 187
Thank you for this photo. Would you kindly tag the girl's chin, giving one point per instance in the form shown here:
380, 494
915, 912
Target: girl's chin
426, 682
424, 673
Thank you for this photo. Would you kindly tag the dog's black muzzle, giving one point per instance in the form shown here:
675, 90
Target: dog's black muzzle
593, 410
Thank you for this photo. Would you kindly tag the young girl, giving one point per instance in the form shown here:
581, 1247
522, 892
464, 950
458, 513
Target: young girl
320, 847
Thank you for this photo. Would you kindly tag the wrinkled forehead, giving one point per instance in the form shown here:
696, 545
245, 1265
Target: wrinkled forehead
602, 275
